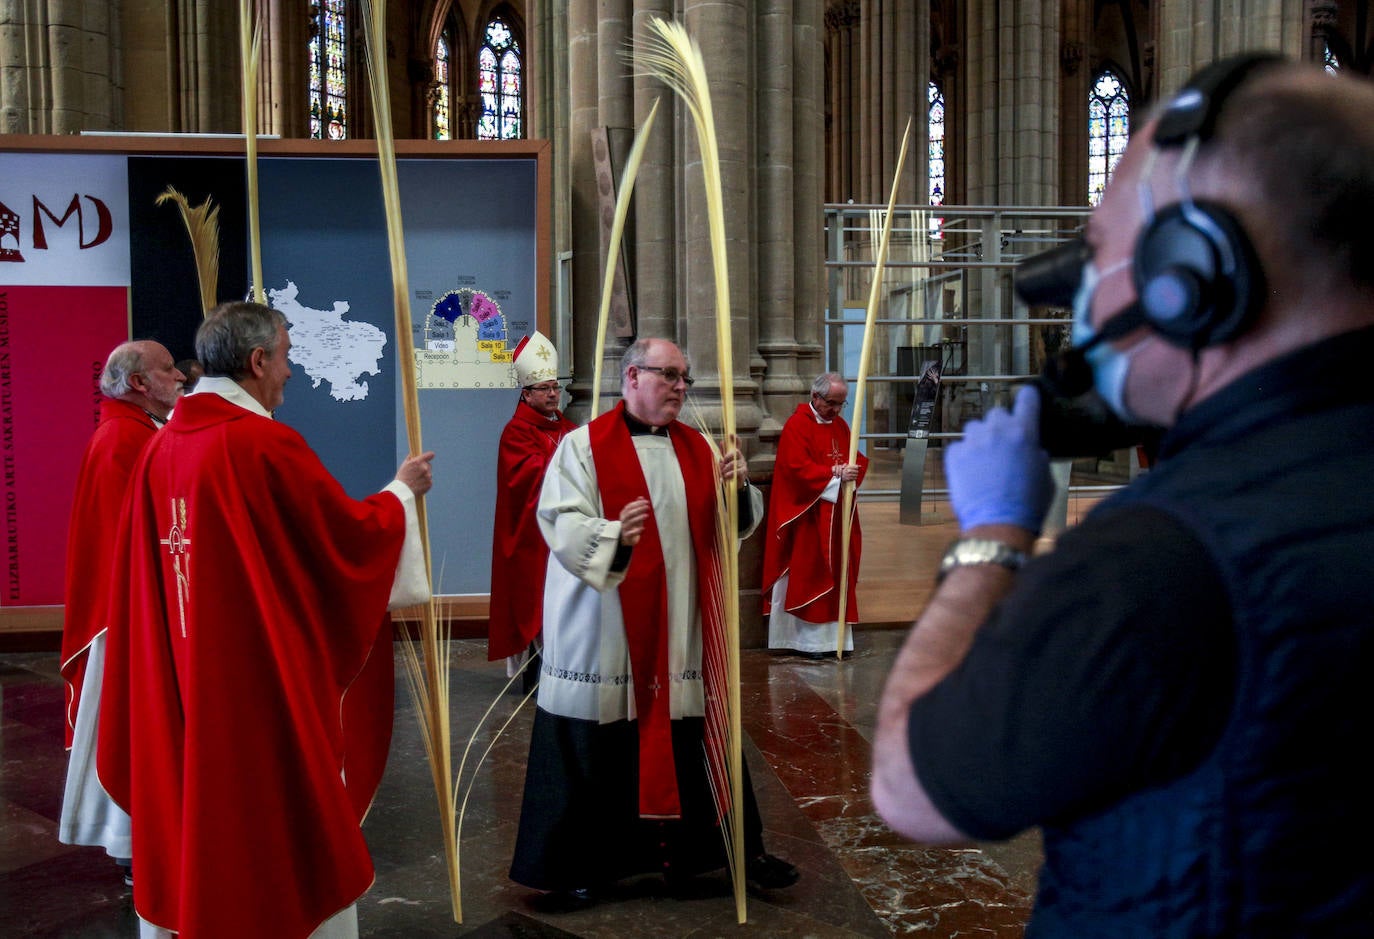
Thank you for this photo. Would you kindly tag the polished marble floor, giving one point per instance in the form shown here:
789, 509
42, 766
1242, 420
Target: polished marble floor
808, 726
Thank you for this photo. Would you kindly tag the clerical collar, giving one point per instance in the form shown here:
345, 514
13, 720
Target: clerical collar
157, 421
640, 429
816, 414
230, 391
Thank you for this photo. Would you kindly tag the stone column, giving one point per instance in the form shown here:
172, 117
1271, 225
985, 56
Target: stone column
205, 54
1195, 34
1011, 133
791, 255
657, 236
59, 67
546, 34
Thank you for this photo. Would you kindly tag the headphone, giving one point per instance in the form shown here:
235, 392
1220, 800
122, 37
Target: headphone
1197, 277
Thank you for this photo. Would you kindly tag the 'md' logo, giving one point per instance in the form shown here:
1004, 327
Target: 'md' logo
94, 225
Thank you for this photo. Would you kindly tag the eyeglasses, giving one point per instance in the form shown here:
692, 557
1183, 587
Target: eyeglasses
830, 401
670, 374
545, 389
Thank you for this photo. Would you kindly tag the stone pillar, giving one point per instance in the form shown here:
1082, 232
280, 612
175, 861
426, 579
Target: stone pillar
791, 255
1011, 134
283, 95
658, 233
547, 99
842, 18
203, 36
726, 36
1195, 34
59, 67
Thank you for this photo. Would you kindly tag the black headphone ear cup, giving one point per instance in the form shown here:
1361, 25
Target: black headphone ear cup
1196, 275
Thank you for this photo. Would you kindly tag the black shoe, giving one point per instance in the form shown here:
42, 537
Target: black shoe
767, 872
565, 901
822, 656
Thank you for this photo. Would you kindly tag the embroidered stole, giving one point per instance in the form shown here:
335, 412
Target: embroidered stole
644, 591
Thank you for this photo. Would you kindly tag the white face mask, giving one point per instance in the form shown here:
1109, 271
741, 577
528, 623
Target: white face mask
1110, 366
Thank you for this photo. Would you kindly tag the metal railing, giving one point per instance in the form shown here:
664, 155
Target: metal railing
946, 294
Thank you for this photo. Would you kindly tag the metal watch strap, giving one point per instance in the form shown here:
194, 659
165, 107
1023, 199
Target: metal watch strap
970, 551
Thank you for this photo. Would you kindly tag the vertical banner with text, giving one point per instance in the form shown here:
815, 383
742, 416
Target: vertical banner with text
64, 277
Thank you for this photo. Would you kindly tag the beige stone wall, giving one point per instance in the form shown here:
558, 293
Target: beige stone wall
60, 69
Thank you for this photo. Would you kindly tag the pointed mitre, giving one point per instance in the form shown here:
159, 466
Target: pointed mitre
536, 360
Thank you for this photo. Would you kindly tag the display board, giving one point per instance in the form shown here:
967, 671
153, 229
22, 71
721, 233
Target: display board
87, 260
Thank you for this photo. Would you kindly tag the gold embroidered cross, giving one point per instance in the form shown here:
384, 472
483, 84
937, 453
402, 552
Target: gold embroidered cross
836, 457
179, 546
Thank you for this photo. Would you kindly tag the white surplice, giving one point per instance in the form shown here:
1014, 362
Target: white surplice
586, 668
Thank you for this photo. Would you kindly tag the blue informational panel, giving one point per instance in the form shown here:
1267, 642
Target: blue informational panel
478, 282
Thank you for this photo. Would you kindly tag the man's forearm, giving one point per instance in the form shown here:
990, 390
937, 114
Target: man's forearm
936, 644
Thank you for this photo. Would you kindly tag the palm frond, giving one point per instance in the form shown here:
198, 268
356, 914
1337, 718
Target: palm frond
202, 224
428, 671
861, 387
622, 208
250, 48
674, 57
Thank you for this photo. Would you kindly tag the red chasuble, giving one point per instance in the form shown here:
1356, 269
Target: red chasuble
247, 703
519, 554
803, 529
110, 456
644, 591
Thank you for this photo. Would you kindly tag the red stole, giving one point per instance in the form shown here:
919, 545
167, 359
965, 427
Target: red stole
644, 591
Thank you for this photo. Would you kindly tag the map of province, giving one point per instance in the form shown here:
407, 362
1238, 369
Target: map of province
329, 347
465, 344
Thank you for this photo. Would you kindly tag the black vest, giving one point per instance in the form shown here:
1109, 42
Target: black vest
1272, 835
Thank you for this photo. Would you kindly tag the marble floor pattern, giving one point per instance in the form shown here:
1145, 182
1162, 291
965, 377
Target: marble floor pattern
808, 726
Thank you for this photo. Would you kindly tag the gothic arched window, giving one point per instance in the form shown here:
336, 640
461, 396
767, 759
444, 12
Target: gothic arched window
500, 83
443, 94
328, 69
1109, 128
935, 127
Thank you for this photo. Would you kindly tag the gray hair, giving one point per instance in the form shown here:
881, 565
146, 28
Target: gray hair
637, 354
125, 361
821, 386
231, 331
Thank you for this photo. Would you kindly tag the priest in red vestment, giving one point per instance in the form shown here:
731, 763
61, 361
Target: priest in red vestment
519, 555
801, 559
248, 705
140, 385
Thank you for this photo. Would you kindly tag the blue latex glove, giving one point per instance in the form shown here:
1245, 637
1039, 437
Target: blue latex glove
998, 474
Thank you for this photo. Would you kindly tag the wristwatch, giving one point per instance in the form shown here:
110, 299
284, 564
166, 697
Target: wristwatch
969, 551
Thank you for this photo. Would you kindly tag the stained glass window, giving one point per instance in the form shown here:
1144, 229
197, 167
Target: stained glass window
443, 128
499, 81
1109, 128
935, 125
329, 69
1329, 60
